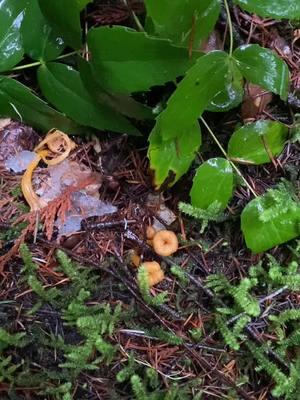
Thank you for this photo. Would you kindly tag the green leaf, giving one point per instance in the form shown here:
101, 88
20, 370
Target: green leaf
213, 182
62, 87
254, 143
289, 9
122, 103
18, 102
64, 15
170, 159
264, 68
193, 94
129, 61
11, 17
231, 95
183, 21
40, 40
270, 220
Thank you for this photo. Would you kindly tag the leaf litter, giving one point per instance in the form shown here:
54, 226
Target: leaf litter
220, 249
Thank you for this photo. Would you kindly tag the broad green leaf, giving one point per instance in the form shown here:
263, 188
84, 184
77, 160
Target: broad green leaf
40, 40
170, 159
122, 103
213, 182
263, 67
20, 103
62, 87
184, 22
270, 220
201, 83
289, 9
128, 61
231, 95
64, 15
254, 143
11, 17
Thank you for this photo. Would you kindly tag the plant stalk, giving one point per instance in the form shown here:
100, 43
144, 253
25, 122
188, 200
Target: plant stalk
230, 28
37, 63
227, 157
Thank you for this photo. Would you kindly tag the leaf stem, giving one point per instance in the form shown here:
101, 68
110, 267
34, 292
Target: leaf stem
227, 157
37, 63
34, 64
134, 16
67, 55
229, 27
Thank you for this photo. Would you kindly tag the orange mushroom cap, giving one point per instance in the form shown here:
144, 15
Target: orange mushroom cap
135, 259
165, 243
155, 273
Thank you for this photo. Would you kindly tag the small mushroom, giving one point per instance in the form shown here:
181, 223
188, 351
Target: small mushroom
165, 243
155, 273
135, 259
150, 232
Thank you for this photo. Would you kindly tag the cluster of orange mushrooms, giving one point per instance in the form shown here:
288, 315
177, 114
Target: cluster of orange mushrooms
164, 243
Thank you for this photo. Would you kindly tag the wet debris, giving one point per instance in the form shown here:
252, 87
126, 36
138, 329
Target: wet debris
15, 137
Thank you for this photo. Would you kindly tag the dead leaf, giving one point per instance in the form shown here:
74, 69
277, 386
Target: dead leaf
255, 102
14, 138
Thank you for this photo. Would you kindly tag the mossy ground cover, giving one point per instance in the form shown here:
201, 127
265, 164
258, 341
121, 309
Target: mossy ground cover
77, 321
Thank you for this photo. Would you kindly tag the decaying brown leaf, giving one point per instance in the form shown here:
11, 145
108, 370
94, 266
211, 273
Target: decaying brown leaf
255, 102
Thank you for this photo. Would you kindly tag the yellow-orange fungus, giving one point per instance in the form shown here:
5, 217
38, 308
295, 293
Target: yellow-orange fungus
59, 147
165, 243
155, 273
135, 259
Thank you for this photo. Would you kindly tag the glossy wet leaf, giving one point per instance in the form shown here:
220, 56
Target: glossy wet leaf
122, 103
128, 61
11, 48
193, 94
289, 9
20, 103
264, 68
231, 95
184, 22
62, 87
267, 222
40, 40
170, 159
254, 143
64, 15
213, 182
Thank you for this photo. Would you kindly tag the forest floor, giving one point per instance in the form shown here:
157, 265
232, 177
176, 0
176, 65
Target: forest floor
76, 320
